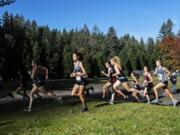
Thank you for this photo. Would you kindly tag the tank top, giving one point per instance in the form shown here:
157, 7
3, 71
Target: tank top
112, 71
40, 74
77, 68
161, 74
146, 77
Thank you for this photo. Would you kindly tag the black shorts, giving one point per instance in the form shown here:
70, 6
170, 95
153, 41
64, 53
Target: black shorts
82, 82
149, 87
123, 79
137, 87
165, 84
39, 83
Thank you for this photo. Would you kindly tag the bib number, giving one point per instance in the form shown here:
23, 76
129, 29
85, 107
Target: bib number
78, 78
160, 76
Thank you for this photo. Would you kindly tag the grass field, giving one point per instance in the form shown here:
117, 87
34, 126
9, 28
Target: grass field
51, 118
124, 118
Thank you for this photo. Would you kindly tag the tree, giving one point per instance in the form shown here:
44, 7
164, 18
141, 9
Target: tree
6, 2
166, 29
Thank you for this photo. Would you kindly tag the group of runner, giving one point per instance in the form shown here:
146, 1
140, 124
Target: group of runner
116, 78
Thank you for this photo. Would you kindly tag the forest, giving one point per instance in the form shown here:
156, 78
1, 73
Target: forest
22, 40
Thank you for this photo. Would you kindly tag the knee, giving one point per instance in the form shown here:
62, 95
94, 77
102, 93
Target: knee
81, 93
134, 94
114, 87
30, 95
154, 89
73, 94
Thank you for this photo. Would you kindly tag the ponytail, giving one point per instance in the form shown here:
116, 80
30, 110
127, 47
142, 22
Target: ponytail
117, 60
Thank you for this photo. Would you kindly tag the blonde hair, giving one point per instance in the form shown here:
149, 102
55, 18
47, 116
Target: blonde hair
117, 60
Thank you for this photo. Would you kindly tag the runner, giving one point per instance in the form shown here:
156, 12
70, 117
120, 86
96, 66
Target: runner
79, 73
163, 75
39, 75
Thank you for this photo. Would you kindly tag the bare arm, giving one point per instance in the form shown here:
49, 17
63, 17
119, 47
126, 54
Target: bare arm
150, 77
108, 74
46, 69
167, 72
116, 70
83, 73
33, 73
155, 72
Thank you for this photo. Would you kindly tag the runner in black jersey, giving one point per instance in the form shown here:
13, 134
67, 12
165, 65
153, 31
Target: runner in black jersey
39, 76
111, 80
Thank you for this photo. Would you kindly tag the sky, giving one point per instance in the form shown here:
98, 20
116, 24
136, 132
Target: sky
140, 18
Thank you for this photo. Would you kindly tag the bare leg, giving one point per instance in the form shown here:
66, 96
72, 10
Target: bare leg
82, 97
146, 95
34, 89
115, 89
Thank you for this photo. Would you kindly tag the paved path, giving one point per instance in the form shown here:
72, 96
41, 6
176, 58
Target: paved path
96, 95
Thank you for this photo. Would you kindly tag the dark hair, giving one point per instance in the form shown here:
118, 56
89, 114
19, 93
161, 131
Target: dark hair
79, 55
147, 68
109, 63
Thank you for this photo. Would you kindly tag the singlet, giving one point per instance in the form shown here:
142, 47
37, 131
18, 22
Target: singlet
161, 74
121, 73
77, 68
112, 79
40, 74
146, 77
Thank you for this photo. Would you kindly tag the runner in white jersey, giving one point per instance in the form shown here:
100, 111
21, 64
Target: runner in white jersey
163, 75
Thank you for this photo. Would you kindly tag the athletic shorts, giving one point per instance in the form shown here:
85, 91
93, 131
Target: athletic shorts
123, 79
39, 83
83, 82
137, 87
149, 87
165, 82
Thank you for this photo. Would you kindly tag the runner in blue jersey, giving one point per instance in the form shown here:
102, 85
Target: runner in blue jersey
79, 73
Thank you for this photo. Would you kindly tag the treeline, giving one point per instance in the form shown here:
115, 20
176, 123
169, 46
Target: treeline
22, 40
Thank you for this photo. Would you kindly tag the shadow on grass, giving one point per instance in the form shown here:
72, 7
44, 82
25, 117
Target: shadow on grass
6, 123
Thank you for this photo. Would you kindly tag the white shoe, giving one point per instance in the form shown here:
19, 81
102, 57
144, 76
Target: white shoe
111, 102
155, 101
175, 103
28, 109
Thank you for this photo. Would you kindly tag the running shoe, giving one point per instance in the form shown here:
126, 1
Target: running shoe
155, 101
28, 109
84, 109
175, 102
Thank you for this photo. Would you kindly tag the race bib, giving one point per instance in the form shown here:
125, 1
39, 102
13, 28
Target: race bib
78, 78
160, 76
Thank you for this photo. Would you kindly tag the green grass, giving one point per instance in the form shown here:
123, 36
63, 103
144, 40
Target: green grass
120, 119
50, 118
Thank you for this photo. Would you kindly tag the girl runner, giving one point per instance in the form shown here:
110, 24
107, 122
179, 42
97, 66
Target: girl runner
136, 86
79, 73
163, 75
121, 79
111, 79
39, 75
148, 83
